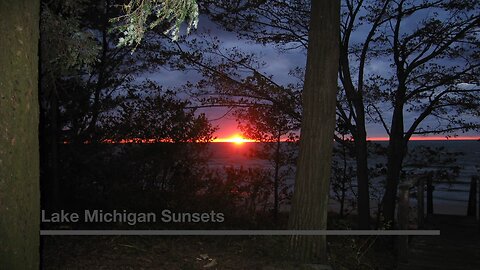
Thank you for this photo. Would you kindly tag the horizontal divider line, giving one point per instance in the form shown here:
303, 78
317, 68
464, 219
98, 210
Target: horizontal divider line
242, 232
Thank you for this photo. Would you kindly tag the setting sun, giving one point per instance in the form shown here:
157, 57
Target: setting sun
236, 139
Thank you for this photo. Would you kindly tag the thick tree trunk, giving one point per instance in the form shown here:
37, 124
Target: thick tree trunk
310, 200
19, 156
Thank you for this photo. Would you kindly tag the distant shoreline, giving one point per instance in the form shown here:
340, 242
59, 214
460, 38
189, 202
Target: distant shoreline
416, 139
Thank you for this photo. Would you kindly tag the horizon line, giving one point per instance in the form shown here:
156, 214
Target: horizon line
375, 139
243, 140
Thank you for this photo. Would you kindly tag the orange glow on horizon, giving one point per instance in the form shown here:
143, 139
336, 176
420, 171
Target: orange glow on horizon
236, 139
137, 141
239, 140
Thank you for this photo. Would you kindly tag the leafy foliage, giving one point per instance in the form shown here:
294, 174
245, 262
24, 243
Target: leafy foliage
135, 22
65, 42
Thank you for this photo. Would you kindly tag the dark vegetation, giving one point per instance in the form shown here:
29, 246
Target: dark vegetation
111, 140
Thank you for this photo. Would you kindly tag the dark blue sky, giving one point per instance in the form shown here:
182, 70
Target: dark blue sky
278, 64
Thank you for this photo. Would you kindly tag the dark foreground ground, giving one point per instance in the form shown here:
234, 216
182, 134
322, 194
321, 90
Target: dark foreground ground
457, 247
136, 252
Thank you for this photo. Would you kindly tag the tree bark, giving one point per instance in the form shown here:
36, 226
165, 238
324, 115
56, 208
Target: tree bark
310, 199
19, 156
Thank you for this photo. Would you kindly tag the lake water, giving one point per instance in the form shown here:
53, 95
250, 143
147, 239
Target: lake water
449, 198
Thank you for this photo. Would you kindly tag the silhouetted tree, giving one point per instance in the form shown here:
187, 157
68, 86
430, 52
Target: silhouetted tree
343, 174
151, 114
431, 47
434, 76
285, 25
268, 125
65, 50
84, 76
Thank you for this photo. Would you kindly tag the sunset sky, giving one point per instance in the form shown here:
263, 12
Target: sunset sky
278, 65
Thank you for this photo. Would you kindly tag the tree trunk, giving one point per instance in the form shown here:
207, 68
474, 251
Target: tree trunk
362, 176
19, 155
396, 153
310, 199
359, 134
430, 189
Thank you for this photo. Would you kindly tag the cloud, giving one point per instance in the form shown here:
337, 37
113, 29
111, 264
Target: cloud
279, 64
